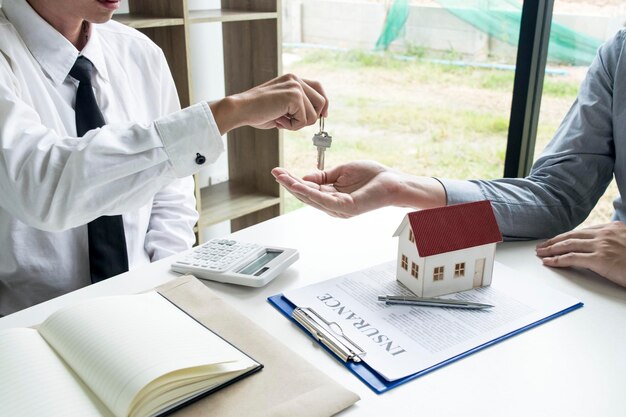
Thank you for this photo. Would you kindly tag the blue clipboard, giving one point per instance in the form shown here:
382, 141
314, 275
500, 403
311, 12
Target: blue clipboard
373, 379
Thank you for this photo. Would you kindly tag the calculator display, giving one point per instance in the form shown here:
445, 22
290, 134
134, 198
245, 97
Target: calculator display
254, 267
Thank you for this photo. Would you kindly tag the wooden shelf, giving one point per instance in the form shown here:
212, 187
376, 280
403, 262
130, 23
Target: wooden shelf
224, 15
143, 22
227, 200
251, 50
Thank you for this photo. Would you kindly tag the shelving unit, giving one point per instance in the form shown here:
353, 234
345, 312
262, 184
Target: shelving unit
212, 16
252, 51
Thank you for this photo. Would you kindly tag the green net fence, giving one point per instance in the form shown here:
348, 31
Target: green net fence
395, 21
499, 19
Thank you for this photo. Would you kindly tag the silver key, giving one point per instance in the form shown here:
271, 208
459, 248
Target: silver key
322, 141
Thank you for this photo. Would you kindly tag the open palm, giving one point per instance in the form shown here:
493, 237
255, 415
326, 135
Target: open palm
343, 191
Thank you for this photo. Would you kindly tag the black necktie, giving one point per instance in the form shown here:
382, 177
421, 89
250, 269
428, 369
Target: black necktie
107, 244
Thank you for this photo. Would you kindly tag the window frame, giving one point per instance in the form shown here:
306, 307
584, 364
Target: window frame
438, 273
459, 270
530, 67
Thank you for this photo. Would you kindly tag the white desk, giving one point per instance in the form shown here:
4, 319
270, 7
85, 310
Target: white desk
574, 365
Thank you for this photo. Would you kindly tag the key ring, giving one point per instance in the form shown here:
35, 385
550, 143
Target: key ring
321, 124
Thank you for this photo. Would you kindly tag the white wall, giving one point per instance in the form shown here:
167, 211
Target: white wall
408, 248
451, 284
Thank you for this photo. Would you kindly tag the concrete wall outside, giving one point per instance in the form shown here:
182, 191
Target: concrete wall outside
353, 24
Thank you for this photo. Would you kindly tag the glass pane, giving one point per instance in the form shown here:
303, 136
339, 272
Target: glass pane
579, 27
422, 86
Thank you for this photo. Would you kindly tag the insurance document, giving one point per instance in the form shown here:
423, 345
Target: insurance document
401, 340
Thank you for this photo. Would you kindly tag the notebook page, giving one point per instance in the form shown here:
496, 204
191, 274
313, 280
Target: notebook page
117, 345
173, 394
36, 382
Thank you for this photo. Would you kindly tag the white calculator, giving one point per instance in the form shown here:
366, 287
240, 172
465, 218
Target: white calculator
234, 262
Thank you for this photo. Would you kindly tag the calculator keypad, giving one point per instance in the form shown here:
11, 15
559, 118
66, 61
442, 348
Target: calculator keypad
220, 255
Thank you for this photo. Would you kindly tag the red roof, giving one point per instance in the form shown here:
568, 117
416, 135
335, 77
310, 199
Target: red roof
450, 228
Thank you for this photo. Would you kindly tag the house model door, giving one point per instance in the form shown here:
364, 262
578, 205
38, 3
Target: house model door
479, 269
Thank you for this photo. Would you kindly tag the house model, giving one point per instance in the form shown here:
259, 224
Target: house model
447, 249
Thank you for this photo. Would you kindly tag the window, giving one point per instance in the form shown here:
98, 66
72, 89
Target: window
411, 237
405, 262
438, 274
459, 270
414, 269
421, 130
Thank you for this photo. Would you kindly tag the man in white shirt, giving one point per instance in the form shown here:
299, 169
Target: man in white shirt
138, 165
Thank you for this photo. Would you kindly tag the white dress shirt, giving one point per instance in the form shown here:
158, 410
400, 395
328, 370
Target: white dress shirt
52, 183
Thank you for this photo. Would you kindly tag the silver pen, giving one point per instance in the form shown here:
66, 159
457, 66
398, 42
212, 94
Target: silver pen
431, 302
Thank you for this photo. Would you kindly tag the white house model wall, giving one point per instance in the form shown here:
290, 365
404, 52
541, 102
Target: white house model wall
477, 271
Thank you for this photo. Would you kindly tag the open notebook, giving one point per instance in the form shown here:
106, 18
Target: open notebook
130, 355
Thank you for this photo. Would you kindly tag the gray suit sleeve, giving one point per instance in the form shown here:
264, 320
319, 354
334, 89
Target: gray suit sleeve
574, 169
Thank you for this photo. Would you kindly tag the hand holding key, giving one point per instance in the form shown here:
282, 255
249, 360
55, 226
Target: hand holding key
321, 140
286, 102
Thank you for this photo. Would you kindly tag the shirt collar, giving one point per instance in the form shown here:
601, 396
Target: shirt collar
54, 53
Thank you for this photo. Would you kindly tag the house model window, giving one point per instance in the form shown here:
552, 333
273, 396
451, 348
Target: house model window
459, 270
438, 273
405, 262
460, 239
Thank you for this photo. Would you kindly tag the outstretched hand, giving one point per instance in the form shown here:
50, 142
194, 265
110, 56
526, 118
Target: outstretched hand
343, 191
602, 249
357, 187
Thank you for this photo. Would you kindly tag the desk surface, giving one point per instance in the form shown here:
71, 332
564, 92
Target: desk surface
570, 366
